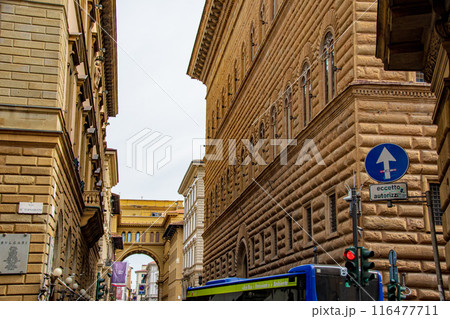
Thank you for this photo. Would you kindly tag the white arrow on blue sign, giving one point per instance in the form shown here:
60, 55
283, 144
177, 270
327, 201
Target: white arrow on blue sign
386, 163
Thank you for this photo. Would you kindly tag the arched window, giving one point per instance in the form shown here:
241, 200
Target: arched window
211, 206
152, 236
75, 257
288, 112
261, 131
129, 237
262, 18
216, 205
329, 68
213, 123
230, 93
242, 170
157, 237
243, 61
222, 197
223, 104
274, 129
235, 182
252, 144
252, 42
227, 188
235, 77
68, 252
57, 243
274, 9
138, 237
217, 113
262, 136
306, 93
123, 237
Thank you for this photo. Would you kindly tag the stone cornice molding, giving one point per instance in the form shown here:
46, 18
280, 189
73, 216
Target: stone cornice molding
205, 34
109, 39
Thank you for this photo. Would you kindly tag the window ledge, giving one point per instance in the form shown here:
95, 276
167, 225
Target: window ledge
332, 235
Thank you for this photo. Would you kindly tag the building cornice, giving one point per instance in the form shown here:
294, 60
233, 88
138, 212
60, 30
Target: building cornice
109, 39
188, 178
206, 32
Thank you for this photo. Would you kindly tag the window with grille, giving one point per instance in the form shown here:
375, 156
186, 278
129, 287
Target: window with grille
332, 215
309, 224
288, 112
274, 9
329, 67
253, 248
262, 247
290, 237
275, 241
436, 204
307, 94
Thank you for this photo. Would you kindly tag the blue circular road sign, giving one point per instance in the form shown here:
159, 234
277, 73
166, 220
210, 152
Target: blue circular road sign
386, 163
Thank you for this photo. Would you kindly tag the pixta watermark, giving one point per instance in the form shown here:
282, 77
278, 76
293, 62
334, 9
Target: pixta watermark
219, 150
148, 151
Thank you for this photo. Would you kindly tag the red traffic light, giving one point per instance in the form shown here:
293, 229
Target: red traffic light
349, 255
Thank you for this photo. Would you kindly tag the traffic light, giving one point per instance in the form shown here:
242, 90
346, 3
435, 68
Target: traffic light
366, 265
352, 266
392, 291
400, 296
100, 291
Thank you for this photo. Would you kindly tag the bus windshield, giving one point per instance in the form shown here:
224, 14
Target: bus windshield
331, 287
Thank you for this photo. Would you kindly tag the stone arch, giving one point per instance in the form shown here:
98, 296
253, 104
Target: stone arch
329, 23
287, 79
241, 258
306, 56
141, 250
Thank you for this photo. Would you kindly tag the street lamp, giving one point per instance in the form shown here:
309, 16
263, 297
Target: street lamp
57, 272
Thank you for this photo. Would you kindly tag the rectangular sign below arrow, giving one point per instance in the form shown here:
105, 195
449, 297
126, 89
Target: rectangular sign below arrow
380, 192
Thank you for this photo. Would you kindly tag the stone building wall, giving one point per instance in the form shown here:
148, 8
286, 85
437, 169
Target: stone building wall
248, 206
46, 153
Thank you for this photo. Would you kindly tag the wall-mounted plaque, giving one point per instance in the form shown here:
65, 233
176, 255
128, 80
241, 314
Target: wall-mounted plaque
30, 208
14, 253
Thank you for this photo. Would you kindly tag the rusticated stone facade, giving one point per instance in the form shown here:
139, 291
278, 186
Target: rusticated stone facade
305, 70
58, 87
428, 53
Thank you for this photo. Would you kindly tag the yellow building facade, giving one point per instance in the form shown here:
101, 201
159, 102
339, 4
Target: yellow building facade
58, 88
152, 227
297, 97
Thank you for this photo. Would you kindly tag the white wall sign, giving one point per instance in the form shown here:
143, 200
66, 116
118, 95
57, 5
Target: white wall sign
385, 192
30, 208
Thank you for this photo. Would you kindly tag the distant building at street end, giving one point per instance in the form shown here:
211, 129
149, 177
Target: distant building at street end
151, 285
141, 280
192, 188
153, 228
297, 99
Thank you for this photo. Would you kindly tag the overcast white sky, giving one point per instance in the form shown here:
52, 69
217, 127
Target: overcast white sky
155, 40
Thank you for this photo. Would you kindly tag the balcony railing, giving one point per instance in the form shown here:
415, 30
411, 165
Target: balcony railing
91, 198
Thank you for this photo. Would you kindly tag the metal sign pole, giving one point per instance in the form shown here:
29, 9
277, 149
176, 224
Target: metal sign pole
354, 211
435, 247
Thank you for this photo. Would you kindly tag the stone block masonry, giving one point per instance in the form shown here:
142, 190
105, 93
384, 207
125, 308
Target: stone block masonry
256, 77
